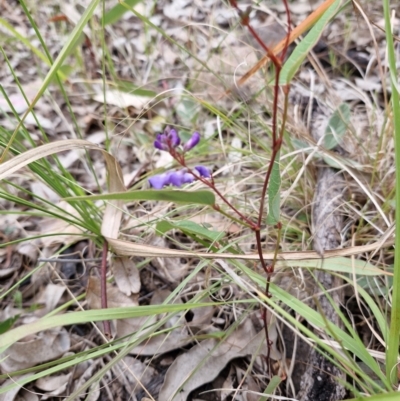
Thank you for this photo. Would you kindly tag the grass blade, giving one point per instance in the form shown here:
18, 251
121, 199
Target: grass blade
66, 50
392, 350
196, 197
118, 11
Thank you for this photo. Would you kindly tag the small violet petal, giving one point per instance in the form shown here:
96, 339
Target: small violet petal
192, 142
160, 145
187, 178
167, 140
160, 180
178, 178
203, 171
173, 138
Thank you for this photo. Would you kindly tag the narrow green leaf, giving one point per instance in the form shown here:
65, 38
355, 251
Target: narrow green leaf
351, 343
24, 40
392, 349
128, 87
337, 126
274, 195
190, 197
14, 335
304, 47
329, 159
313, 317
118, 11
64, 53
379, 397
273, 384
191, 228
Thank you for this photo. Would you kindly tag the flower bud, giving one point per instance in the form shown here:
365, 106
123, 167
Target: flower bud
203, 171
192, 142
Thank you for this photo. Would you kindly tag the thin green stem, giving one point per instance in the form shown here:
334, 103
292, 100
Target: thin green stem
392, 350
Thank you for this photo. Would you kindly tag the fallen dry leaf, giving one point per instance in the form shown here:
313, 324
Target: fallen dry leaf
122, 99
126, 275
45, 346
172, 270
115, 299
202, 363
52, 383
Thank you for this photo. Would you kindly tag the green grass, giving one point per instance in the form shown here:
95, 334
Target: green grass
130, 219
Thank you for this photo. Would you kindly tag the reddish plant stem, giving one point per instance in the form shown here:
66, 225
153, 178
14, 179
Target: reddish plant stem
180, 158
103, 287
275, 60
289, 25
275, 150
276, 146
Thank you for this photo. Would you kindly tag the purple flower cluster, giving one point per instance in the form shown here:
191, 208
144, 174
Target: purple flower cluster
168, 141
178, 178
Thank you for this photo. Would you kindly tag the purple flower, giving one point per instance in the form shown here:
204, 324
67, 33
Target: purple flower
174, 178
167, 140
160, 180
178, 178
160, 142
192, 142
203, 171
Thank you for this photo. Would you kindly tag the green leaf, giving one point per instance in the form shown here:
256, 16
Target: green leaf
97, 315
377, 287
190, 197
304, 47
64, 53
329, 159
349, 341
274, 195
379, 397
6, 325
191, 228
65, 71
187, 110
118, 11
128, 87
337, 126
392, 345
273, 384
26, 41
